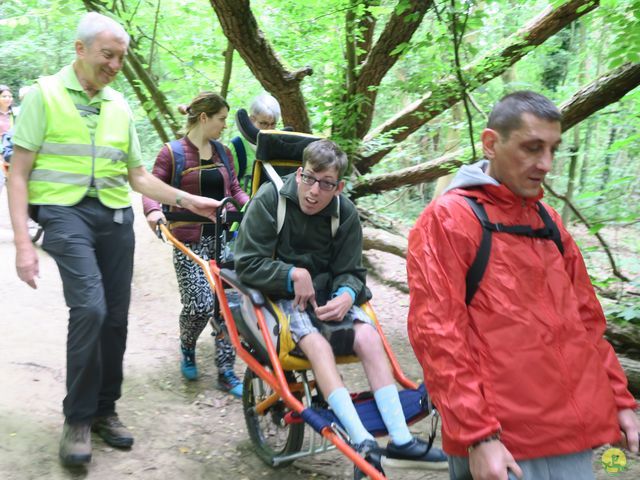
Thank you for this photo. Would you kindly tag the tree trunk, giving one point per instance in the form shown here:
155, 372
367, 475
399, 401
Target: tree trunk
592, 124
573, 163
228, 65
137, 73
603, 91
607, 159
146, 103
377, 239
383, 55
632, 371
580, 37
625, 339
157, 96
446, 92
241, 29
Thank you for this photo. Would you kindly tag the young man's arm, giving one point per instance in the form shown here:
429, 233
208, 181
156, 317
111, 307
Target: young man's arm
347, 273
256, 244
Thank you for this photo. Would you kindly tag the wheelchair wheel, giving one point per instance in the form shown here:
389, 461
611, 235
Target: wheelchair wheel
268, 432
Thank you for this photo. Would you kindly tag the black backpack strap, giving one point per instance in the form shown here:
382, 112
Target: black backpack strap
479, 265
177, 153
177, 159
551, 227
241, 156
476, 271
222, 155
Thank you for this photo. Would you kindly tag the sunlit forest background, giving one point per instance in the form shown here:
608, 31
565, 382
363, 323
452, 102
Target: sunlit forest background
404, 85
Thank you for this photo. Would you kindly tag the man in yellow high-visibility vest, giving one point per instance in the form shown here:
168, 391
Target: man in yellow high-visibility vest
76, 152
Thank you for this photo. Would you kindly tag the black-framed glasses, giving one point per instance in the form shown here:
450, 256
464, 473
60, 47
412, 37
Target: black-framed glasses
325, 185
266, 125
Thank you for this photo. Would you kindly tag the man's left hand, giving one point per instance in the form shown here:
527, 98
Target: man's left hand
630, 429
335, 309
203, 206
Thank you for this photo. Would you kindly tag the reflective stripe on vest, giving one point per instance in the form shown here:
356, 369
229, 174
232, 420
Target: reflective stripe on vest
68, 161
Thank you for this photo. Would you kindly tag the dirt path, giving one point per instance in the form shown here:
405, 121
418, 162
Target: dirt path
183, 430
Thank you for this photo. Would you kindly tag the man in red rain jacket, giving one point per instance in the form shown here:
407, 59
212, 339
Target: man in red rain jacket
520, 372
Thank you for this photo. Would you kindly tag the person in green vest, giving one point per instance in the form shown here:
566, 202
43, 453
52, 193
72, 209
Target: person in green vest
76, 152
264, 113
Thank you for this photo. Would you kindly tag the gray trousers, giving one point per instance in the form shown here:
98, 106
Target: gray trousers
575, 466
93, 248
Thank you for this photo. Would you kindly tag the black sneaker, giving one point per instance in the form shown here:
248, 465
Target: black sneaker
112, 431
75, 444
372, 453
416, 454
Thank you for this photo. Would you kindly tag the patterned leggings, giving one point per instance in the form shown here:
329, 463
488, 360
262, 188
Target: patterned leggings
198, 302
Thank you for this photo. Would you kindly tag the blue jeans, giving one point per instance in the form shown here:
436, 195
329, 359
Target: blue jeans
574, 466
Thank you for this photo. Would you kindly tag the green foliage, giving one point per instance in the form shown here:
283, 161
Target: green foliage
623, 24
627, 311
37, 38
34, 37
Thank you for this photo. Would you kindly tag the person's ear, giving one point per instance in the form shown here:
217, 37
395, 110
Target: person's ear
489, 138
339, 188
80, 48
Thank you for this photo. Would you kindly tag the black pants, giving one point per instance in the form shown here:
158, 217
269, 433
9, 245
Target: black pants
93, 247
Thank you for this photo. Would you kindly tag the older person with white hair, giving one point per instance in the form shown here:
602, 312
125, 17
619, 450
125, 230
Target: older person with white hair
75, 153
264, 114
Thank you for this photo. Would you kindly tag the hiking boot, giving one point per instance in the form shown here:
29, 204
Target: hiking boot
188, 363
416, 454
228, 382
372, 453
112, 431
75, 444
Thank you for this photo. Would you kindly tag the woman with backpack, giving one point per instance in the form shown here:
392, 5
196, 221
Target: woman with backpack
199, 165
7, 119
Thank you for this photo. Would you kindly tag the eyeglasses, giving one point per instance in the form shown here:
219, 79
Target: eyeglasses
325, 185
266, 125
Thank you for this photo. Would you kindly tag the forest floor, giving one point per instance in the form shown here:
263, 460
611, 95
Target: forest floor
183, 430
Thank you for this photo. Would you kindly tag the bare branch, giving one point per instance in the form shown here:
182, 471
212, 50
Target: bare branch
446, 92
152, 49
398, 31
241, 29
603, 91
176, 56
583, 219
228, 65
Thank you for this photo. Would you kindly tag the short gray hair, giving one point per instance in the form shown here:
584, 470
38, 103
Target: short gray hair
93, 23
265, 104
506, 116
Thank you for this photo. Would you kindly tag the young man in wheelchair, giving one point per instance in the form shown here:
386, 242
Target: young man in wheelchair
306, 261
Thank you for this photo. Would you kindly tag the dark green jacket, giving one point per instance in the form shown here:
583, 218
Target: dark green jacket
305, 241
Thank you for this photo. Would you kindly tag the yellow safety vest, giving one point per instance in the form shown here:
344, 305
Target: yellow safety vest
69, 162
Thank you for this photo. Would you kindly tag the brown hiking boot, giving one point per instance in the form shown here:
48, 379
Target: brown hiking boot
75, 444
112, 431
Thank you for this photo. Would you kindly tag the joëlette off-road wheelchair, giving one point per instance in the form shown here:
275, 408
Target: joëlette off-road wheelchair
280, 396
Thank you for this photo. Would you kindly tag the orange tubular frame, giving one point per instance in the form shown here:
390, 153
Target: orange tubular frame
276, 379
